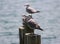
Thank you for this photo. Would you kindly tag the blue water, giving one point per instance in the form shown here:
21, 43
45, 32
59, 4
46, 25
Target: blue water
49, 19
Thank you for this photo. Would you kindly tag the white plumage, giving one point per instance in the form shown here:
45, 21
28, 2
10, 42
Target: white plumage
31, 10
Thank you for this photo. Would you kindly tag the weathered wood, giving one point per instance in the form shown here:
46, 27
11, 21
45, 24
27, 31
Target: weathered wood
32, 39
21, 35
22, 31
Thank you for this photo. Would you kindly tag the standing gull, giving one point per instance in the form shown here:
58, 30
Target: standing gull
31, 10
33, 25
30, 22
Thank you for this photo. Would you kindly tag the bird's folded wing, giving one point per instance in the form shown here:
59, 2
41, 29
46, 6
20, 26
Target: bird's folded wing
32, 9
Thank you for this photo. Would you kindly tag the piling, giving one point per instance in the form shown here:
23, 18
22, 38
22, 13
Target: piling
22, 31
32, 39
26, 36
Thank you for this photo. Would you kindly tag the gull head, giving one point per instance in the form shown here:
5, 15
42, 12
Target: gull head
26, 4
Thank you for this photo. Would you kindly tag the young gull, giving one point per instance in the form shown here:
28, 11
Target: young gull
31, 10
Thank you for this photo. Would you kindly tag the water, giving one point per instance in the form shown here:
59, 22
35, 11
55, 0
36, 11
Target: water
49, 19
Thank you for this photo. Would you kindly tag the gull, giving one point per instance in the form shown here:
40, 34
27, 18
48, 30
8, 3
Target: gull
30, 22
31, 10
33, 25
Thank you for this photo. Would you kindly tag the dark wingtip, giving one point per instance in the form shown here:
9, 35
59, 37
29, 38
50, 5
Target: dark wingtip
41, 29
38, 11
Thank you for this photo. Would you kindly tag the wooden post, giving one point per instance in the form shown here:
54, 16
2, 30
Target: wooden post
21, 35
22, 31
32, 39
27, 37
